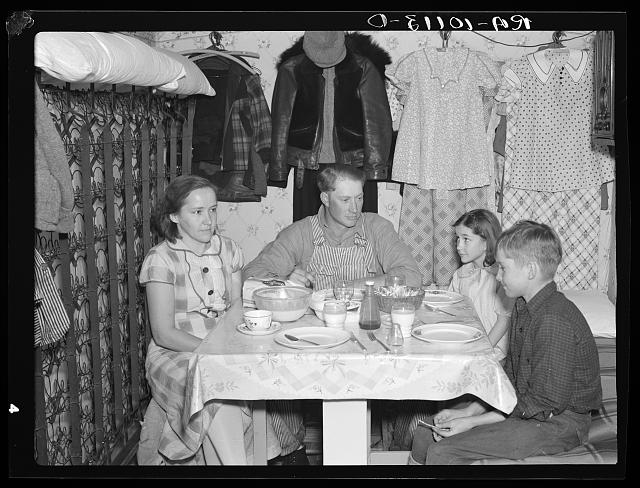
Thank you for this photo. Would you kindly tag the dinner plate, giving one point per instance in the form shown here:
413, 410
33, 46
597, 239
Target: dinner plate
325, 336
441, 297
446, 333
275, 327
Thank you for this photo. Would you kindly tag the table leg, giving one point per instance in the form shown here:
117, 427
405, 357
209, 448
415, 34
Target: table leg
345, 432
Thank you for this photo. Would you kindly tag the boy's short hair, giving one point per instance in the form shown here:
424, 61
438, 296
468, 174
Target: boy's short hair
327, 177
528, 241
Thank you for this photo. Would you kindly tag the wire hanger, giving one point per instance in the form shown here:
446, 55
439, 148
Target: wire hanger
555, 44
206, 53
246, 54
445, 35
216, 50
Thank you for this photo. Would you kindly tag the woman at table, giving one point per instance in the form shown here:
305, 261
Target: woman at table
193, 284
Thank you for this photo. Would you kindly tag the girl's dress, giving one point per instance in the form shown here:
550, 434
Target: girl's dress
200, 284
487, 295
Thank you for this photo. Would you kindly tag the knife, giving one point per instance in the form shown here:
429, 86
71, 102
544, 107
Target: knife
355, 339
435, 309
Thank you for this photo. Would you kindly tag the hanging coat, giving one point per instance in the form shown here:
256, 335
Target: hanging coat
232, 132
362, 117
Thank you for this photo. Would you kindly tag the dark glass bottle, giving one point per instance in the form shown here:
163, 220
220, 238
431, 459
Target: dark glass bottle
369, 311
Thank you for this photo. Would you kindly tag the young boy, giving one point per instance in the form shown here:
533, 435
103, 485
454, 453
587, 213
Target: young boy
552, 363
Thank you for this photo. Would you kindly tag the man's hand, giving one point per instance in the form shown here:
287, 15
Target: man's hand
299, 275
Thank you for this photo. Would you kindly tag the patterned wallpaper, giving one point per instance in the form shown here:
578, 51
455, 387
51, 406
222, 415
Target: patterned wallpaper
253, 225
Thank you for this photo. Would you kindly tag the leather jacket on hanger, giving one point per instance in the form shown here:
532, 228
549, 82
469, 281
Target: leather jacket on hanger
362, 117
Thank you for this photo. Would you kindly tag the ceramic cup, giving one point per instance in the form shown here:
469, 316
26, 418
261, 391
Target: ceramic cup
258, 319
334, 313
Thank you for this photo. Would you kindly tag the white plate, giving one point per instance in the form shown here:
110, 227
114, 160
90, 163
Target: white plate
275, 327
437, 298
324, 336
446, 333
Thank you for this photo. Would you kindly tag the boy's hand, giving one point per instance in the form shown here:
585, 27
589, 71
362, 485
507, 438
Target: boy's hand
449, 414
456, 426
448, 418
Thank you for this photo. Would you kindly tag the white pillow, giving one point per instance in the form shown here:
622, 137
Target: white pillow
194, 83
597, 309
99, 57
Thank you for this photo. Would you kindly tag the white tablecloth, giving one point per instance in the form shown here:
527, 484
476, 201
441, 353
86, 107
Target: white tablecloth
232, 365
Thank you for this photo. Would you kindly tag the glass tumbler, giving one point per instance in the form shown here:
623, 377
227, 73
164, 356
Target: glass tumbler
403, 314
395, 279
334, 313
343, 290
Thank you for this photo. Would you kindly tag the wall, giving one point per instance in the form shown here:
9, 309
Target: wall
255, 224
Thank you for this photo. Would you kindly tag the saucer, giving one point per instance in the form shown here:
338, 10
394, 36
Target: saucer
275, 327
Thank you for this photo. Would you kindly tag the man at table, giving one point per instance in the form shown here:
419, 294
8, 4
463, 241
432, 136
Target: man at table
340, 241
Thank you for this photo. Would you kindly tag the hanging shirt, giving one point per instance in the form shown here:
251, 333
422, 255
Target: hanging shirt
441, 141
51, 321
548, 147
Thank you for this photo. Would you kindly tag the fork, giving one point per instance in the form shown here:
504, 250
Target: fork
372, 337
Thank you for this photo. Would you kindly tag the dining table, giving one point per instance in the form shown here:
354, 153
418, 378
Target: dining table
231, 365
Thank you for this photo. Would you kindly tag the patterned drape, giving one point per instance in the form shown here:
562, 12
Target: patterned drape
575, 216
426, 227
123, 148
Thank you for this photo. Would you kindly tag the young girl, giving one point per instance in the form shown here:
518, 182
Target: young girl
477, 232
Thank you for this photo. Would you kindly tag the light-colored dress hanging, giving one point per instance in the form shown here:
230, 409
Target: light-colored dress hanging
548, 98
442, 137
549, 128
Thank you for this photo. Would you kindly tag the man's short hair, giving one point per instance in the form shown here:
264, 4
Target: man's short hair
328, 175
529, 241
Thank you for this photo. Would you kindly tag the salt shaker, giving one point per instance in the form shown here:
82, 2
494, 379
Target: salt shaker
395, 337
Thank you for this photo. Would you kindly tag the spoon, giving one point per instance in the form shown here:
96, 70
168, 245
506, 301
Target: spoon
296, 339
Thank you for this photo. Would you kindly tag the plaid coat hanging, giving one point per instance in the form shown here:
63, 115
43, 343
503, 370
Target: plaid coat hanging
232, 132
